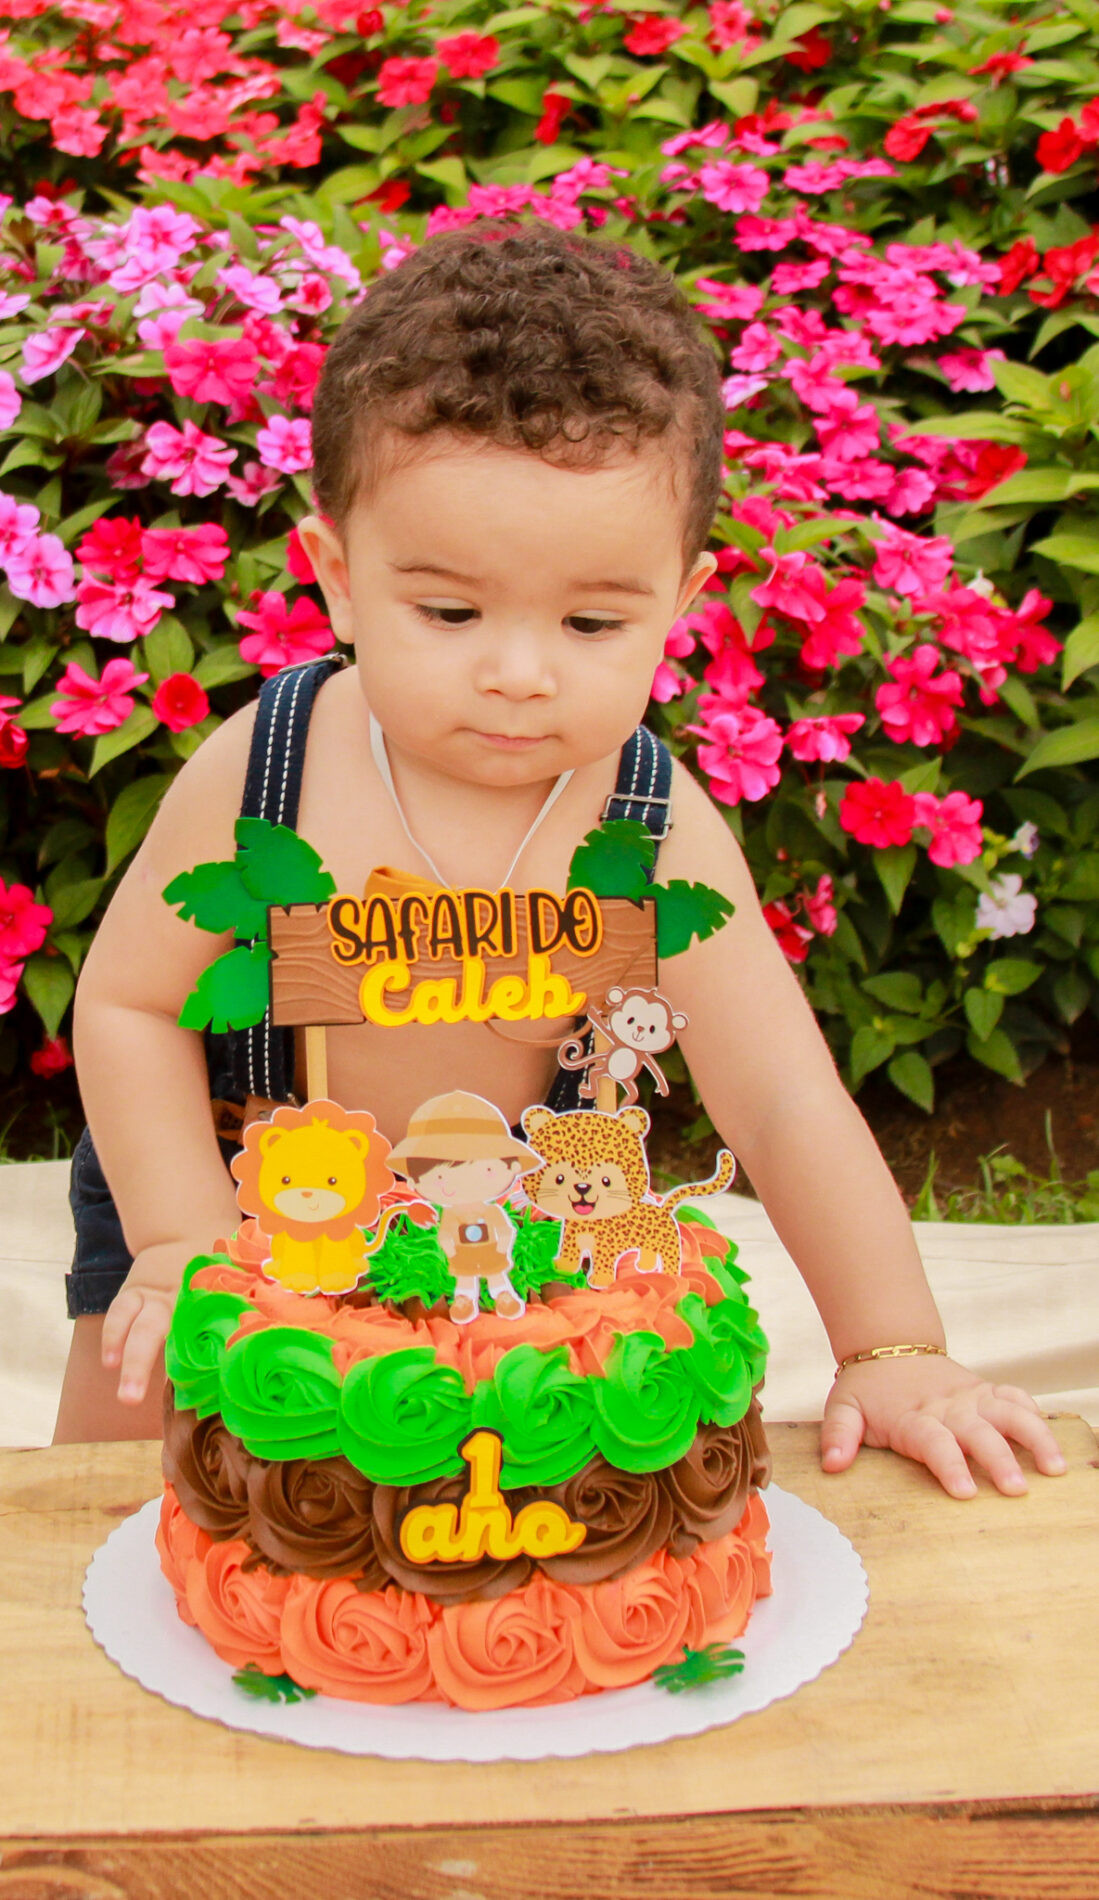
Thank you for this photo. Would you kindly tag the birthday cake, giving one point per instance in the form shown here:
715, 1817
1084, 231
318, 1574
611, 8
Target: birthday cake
472, 1418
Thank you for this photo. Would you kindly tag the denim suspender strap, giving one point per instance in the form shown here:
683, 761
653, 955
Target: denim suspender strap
263, 1057
643, 792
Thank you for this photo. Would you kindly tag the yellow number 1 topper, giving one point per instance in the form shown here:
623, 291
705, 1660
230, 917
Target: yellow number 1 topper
483, 1527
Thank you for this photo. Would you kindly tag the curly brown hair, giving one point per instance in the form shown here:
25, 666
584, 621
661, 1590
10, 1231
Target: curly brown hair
534, 338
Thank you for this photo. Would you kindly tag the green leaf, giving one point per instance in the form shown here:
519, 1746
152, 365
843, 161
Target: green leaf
74, 901
1070, 550
1019, 383
612, 860
131, 815
278, 867
911, 1073
894, 867
685, 911
983, 1011
1068, 745
111, 745
897, 989
870, 1047
49, 982
996, 1052
1071, 994
214, 897
1009, 976
1081, 650
168, 649
1038, 486
231, 993
221, 666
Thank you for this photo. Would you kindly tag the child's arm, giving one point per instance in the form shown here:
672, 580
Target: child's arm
767, 1079
142, 1078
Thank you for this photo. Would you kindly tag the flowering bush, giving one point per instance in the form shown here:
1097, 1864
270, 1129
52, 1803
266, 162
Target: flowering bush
883, 214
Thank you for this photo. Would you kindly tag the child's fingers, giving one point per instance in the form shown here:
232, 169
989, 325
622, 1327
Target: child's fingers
1016, 1415
144, 1341
924, 1438
990, 1449
841, 1434
119, 1317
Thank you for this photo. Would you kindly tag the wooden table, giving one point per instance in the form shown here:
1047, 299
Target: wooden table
951, 1751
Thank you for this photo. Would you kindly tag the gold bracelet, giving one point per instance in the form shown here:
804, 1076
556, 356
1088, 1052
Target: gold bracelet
886, 1352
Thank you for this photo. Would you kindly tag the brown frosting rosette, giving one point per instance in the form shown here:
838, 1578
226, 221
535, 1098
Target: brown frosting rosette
628, 1517
707, 1488
445, 1583
314, 1516
208, 1470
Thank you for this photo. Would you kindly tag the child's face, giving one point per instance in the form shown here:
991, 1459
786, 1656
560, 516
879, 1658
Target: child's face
508, 615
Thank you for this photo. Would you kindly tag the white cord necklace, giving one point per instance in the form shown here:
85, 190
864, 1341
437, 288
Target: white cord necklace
381, 760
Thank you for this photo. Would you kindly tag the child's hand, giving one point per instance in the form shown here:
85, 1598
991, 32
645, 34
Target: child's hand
138, 1317
933, 1410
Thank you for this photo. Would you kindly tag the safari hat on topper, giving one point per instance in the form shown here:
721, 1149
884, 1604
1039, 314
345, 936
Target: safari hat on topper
461, 1127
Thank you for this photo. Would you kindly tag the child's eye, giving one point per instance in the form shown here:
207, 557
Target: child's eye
445, 616
592, 624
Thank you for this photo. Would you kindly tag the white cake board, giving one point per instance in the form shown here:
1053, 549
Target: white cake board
818, 1604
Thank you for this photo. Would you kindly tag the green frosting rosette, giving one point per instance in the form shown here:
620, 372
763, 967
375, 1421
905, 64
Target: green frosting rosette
646, 1404
543, 1412
194, 1350
403, 1417
280, 1393
727, 1358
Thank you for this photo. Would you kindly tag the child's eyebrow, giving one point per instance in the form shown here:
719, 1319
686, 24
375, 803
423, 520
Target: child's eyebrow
629, 586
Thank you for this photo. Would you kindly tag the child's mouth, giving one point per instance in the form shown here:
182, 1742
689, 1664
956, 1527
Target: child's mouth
506, 743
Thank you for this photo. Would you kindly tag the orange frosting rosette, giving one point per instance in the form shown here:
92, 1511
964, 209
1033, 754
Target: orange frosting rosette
237, 1611
721, 1589
179, 1542
515, 1652
628, 1626
481, 1347
364, 1646
753, 1527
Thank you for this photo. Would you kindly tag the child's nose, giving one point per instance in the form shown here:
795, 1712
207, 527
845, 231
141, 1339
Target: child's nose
515, 664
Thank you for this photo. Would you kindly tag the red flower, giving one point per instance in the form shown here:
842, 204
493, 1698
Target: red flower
297, 560
995, 462
1000, 65
390, 196
555, 107
878, 814
53, 1058
907, 138
294, 383
812, 51
23, 923
1017, 264
212, 372
468, 55
13, 742
652, 33
283, 638
793, 938
406, 82
114, 547
179, 702
1058, 151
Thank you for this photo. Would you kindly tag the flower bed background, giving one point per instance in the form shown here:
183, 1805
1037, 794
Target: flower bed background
885, 214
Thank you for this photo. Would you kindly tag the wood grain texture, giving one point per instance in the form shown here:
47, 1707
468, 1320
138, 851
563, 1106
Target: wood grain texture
828, 1855
309, 986
975, 1677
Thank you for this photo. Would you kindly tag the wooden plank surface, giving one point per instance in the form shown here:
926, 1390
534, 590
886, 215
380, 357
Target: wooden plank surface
975, 1677
827, 1855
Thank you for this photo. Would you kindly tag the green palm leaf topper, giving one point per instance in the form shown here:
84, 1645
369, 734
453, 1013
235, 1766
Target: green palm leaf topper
272, 865
617, 859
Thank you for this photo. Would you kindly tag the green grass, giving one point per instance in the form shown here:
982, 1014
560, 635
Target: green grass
1011, 1193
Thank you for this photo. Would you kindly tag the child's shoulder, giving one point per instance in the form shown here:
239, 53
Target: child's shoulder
701, 845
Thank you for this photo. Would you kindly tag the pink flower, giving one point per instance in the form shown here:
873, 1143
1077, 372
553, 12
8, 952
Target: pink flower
1005, 909
120, 610
253, 483
955, 826
667, 684
281, 638
46, 350
250, 288
10, 974
793, 938
406, 82
820, 907
11, 402
223, 371
824, 738
78, 131
41, 570
468, 55
916, 705
296, 377
728, 300
788, 279
839, 630
23, 923
285, 445
196, 555
757, 348
190, 461
878, 813
739, 754
733, 187
113, 545
795, 587
913, 564
162, 309
53, 1058
179, 702
18, 524
301, 567
969, 369
90, 707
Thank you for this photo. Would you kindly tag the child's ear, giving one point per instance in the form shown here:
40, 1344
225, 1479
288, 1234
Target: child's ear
325, 552
705, 565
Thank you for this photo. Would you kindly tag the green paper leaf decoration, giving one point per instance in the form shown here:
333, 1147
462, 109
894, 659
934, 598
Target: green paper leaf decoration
232, 993
214, 897
715, 1663
613, 859
270, 1688
278, 867
685, 911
